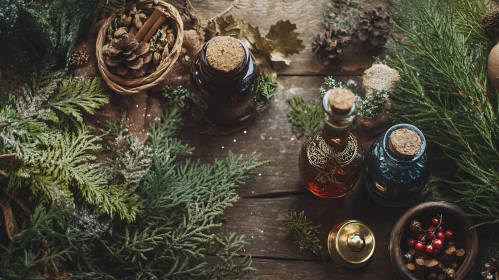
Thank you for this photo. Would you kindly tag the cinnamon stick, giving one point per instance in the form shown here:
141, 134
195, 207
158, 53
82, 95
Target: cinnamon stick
157, 24
148, 24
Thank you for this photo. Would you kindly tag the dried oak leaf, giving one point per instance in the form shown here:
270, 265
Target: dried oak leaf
284, 40
281, 41
222, 26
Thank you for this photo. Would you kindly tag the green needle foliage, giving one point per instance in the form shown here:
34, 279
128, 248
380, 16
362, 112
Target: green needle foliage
445, 93
31, 30
50, 151
303, 232
171, 204
306, 117
265, 91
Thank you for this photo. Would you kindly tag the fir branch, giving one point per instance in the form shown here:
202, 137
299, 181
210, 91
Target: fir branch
444, 92
306, 117
303, 232
76, 95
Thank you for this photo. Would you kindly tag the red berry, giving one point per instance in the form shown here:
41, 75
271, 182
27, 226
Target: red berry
421, 237
435, 221
429, 249
419, 246
431, 228
438, 244
441, 236
411, 242
440, 229
431, 236
449, 234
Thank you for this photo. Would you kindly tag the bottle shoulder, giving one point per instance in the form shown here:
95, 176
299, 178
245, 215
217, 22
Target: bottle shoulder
319, 152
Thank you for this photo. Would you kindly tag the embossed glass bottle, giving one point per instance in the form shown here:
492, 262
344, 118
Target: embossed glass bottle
225, 82
393, 180
331, 159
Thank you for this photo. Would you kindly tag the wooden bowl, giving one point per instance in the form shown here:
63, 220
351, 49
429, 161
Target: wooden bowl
453, 217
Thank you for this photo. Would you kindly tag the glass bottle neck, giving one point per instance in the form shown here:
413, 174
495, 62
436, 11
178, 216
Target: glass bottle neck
213, 74
337, 131
395, 161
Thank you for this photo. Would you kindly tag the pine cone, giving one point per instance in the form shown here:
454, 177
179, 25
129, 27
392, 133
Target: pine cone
491, 23
374, 28
124, 55
331, 44
492, 270
78, 59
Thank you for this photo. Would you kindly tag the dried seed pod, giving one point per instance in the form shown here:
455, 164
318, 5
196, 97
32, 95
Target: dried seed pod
137, 22
407, 258
120, 32
156, 58
415, 226
450, 273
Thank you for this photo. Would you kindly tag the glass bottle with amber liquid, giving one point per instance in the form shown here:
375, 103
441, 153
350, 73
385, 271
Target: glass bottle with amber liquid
224, 77
331, 159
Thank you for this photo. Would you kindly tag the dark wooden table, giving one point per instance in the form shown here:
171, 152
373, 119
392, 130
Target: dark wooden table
277, 188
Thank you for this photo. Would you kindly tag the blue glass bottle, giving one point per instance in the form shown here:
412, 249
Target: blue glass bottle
393, 180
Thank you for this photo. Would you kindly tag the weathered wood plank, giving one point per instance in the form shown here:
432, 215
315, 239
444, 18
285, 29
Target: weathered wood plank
272, 136
261, 221
306, 15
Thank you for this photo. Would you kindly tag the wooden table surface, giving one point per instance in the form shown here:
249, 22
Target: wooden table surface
277, 188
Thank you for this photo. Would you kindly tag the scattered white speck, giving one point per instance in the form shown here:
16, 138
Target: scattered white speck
259, 174
270, 138
245, 132
262, 231
137, 105
252, 236
252, 191
234, 140
223, 147
251, 213
292, 139
148, 115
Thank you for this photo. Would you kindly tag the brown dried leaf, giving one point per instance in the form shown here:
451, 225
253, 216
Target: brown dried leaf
284, 40
222, 26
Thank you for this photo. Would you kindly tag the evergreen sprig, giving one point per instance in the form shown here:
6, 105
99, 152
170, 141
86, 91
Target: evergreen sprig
306, 117
445, 93
265, 91
303, 232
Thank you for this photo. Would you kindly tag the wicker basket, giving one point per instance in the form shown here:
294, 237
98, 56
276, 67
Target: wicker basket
134, 86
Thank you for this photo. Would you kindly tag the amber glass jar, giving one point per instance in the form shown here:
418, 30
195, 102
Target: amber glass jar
224, 77
331, 159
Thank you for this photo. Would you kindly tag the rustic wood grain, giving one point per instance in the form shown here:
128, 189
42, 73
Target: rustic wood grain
277, 188
306, 15
271, 136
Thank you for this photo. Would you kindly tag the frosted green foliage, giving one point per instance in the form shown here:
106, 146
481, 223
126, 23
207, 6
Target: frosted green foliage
372, 106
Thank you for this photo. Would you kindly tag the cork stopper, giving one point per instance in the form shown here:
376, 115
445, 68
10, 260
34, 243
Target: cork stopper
225, 54
404, 143
341, 100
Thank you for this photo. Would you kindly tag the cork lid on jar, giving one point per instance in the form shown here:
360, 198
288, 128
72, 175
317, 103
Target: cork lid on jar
404, 143
225, 54
340, 101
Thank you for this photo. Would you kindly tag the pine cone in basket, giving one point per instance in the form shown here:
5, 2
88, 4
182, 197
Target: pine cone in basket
125, 56
374, 28
492, 270
330, 45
